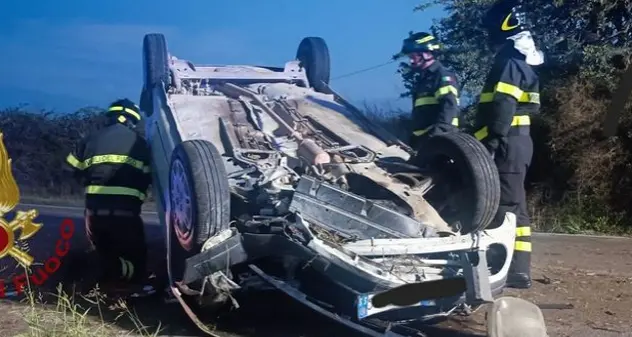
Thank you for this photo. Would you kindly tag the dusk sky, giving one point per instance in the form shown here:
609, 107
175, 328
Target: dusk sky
67, 54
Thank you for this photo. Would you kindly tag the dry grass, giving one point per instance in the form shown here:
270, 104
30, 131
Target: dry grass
579, 179
65, 313
77, 316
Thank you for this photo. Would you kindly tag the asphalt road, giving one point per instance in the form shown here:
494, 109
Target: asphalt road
593, 274
55, 219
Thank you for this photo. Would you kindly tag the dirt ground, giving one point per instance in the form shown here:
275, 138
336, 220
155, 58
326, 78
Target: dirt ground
587, 281
590, 277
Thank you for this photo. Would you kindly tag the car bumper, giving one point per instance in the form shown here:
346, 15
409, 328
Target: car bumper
352, 266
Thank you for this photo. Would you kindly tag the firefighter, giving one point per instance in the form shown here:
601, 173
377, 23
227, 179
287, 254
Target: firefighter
113, 165
436, 97
509, 97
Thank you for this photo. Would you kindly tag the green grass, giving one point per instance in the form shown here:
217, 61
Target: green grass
579, 218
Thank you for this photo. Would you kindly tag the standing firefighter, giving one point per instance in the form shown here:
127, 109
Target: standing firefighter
436, 97
510, 95
113, 164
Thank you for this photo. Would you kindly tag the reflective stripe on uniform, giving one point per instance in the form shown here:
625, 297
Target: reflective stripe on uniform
455, 122
74, 162
511, 90
430, 100
427, 100
107, 159
522, 246
446, 90
420, 132
115, 190
517, 121
127, 268
128, 110
523, 231
116, 159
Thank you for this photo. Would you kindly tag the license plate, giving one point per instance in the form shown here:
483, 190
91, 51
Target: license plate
366, 308
409, 295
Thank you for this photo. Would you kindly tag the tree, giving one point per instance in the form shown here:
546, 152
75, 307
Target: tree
579, 37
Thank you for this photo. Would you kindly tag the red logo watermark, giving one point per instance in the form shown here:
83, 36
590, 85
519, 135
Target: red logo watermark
24, 225
36, 276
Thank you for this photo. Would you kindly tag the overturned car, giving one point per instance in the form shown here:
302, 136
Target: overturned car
266, 174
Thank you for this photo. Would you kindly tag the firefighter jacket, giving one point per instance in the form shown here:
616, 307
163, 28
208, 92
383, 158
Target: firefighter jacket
510, 96
113, 165
436, 100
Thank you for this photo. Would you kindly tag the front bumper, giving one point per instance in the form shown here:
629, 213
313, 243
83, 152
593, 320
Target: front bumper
353, 265
479, 286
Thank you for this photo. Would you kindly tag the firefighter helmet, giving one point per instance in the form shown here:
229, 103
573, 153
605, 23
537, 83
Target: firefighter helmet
421, 42
504, 19
125, 111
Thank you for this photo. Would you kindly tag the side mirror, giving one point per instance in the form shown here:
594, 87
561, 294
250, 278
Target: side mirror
512, 316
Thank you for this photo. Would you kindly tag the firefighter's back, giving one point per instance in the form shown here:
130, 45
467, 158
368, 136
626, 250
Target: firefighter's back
117, 173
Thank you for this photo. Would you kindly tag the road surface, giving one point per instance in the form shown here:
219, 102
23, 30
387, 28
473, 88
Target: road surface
593, 275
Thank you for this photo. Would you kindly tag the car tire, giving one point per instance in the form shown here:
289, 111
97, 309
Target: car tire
313, 54
199, 198
155, 66
462, 166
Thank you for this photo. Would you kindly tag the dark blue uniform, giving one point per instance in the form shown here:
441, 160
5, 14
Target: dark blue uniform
113, 165
436, 103
509, 97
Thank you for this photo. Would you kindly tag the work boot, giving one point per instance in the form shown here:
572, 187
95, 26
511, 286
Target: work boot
520, 269
518, 281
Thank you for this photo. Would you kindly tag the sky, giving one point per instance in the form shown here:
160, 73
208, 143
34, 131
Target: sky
67, 54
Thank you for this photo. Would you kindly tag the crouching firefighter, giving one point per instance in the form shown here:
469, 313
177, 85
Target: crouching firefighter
113, 165
510, 95
436, 97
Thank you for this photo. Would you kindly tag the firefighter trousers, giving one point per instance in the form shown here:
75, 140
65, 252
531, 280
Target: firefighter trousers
513, 158
119, 243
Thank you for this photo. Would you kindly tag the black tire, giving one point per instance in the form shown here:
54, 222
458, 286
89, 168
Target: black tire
146, 102
471, 178
155, 65
314, 56
200, 171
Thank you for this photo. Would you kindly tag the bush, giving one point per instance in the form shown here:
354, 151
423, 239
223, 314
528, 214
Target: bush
38, 143
576, 172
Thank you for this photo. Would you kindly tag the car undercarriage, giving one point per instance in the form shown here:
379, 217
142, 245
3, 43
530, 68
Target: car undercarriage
269, 178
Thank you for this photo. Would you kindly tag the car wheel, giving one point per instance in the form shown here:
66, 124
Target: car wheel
155, 65
314, 56
199, 199
467, 188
